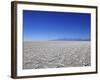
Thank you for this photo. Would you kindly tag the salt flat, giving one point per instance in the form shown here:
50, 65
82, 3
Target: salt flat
56, 54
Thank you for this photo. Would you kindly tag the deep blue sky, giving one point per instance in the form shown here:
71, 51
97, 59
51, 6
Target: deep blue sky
45, 25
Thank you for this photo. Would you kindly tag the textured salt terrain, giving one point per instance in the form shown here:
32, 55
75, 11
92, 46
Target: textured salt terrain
56, 54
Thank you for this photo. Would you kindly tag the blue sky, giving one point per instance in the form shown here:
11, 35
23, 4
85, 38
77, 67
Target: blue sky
47, 25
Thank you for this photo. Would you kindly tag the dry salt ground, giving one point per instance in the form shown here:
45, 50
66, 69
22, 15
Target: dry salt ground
56, 54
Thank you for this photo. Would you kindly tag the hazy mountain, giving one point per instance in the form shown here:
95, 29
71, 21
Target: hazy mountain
65, 39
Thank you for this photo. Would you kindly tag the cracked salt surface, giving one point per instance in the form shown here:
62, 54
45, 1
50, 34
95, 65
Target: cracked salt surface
56, 54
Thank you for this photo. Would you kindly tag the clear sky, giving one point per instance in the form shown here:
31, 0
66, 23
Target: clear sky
47, 25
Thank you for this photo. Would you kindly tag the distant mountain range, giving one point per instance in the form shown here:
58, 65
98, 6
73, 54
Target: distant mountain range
65, 39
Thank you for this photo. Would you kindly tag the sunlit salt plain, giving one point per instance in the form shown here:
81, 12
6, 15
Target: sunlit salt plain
56, 54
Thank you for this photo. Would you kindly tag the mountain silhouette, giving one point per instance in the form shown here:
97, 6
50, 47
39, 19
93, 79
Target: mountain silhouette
65, 39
